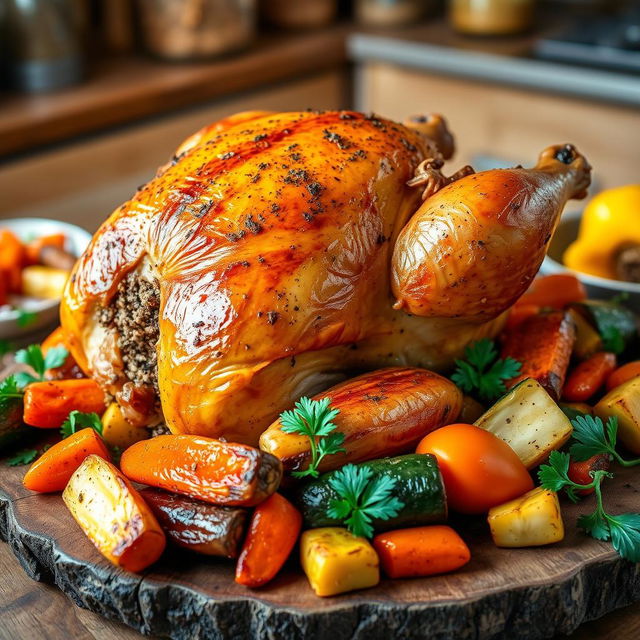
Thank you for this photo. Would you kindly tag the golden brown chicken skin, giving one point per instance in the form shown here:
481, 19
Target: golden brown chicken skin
259, 260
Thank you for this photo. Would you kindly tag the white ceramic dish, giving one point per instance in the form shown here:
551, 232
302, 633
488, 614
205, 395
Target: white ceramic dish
598, 288
46, 311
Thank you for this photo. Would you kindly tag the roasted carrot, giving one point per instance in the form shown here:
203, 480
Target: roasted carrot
519, 313
273, 532
11, 261
555, 291
622, 374
217, 472
70, 368
421, 551
52, 470
580, 472
114, 515
543, 344
588, 377
48, 404
34, 248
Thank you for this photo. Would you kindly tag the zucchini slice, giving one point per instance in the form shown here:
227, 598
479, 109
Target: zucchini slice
616, 324
529, 421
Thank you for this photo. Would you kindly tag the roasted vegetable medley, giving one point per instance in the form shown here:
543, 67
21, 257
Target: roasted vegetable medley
364, 476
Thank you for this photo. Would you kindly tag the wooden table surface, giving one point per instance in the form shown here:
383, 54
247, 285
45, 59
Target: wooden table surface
31, 610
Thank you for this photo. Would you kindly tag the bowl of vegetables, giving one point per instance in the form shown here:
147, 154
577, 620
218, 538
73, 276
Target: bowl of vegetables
36, 256
602, 245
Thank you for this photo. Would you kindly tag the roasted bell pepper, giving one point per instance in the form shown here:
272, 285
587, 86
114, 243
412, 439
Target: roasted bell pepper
48, 404
53, 469
273, 532
610, 223
210, 470
114, 515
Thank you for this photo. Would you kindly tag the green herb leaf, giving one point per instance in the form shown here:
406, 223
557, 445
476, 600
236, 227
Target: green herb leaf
619, 298
9, 393
612, 339
5, 347
313, 418
26, 318
78, 420
482, 373
32, 357
595, 438
362, 497
554, 476
22, 457
55, 357
595, 524
625, 535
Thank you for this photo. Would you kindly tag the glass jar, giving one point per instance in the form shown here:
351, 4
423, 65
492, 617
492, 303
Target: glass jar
491, 17
196, 29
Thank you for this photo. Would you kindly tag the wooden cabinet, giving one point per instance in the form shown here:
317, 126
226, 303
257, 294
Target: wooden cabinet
506, 123
82, 182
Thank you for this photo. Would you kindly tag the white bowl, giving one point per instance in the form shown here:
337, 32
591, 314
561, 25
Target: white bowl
597, 288
47, 311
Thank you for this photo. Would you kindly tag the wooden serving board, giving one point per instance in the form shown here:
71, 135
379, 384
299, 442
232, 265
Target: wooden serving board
525, 593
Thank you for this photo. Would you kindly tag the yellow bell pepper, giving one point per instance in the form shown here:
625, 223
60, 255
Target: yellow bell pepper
611, 221
336, 561
117, 431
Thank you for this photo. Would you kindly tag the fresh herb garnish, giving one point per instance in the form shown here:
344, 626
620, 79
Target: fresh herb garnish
362, 498
612, 339
22, 457
482, 373
594, 438
32, 356
623, 530
25, 318
313, 418
9, 391
621, 297
5, 347
78, 420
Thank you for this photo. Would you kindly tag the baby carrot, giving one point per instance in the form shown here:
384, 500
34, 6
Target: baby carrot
421, 551
555, 291
48, 404
273, 532
589, 376
622, 374
53, 469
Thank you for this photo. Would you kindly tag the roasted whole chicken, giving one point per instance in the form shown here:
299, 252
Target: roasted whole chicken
277, 251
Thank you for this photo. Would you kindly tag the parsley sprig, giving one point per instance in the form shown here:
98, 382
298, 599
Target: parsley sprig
33, 357
313, 418
26, 456
623, 530
593, 438
483, 373
78, 420
362, 498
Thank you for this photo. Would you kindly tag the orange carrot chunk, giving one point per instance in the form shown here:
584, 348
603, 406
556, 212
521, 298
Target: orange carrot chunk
52, 470
589, 376
421, 551
34, 248
11, 261
623, 374
519, 313
273, 532
555, 291
48, 404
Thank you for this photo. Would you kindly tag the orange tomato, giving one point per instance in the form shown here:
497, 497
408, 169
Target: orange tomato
479, 470
622, 374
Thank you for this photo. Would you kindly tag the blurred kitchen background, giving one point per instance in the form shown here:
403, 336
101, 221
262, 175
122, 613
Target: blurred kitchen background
95, 94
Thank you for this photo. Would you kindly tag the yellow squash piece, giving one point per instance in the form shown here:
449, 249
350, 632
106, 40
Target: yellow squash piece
44, 282
117, 432
611, 221
532, 520
113, 515
528, 419
623, 402
336, 561
588, 340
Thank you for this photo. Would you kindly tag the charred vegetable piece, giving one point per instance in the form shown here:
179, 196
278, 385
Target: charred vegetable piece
273, 532
217, 472
421, 551
531, 520
196, 525
623, 403
588, 340
13, 431
418, 486
114, 515
117, 431
336, 561
53, 469
589, 377
543, 345
381, 413
48, 404
616, 324
529, 421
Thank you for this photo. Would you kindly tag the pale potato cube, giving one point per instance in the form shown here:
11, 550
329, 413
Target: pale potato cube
623, 402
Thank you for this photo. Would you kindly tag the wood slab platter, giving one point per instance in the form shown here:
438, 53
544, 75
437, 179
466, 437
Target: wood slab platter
525, 593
